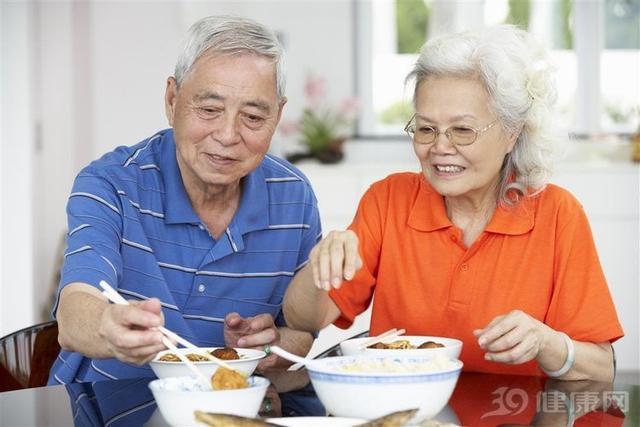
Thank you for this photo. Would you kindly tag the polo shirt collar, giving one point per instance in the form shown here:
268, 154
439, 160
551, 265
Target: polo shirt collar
429, 214
253, 211
513, 220
177, 206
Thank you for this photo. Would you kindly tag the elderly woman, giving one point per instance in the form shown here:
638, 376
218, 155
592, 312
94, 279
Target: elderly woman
478, 246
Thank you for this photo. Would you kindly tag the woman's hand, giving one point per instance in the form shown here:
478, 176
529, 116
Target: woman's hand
513, 338
335, 258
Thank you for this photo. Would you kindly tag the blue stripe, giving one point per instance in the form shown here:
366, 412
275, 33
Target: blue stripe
130, 411
137, 245
288, 226
261, 274
78, 228
82, 249
96, 198
149, 166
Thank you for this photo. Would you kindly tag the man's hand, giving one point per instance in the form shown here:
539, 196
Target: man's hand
252, 332
127, 330
271, 404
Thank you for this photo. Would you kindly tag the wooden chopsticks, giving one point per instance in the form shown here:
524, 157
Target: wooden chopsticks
391, 333
113, 296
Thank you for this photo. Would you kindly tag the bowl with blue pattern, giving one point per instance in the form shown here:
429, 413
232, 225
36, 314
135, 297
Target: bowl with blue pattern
362, 386
246, 364
179, 397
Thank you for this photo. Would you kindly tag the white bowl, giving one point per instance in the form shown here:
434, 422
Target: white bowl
425, 384
178, 398
247, 363
452, 347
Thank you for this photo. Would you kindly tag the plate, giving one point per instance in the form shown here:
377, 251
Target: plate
316, 421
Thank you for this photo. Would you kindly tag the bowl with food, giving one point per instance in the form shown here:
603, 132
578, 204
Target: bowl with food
179, 398
363, 386
406, 345
244, 360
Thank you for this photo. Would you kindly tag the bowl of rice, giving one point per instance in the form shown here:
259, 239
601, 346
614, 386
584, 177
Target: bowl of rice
363, 386
179, 397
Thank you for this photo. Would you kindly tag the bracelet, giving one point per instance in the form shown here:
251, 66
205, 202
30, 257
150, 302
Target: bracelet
571, 352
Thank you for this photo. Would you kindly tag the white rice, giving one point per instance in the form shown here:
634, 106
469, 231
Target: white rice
398, 365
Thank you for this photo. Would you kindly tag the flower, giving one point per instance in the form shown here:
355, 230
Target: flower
321, 127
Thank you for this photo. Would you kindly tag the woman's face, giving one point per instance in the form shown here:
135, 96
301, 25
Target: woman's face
470, 171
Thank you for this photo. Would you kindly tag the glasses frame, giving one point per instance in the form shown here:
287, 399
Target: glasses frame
446, 132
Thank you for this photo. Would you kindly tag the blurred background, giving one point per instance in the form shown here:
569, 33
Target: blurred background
79, 78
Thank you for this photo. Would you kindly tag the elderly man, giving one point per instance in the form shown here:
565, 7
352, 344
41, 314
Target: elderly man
197, 226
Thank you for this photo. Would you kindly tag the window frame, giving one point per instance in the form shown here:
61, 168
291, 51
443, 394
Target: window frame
588, 46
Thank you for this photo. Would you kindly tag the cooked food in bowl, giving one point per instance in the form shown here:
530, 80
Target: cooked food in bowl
178, 398
406, 345
363, 386
225, 353
227, 379
246, 363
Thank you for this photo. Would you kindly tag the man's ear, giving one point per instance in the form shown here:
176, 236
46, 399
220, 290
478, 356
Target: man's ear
281, 105
170, 99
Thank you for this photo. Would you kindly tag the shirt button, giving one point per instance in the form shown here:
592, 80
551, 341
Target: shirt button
201, 227
201, 288
464, 267
453, 238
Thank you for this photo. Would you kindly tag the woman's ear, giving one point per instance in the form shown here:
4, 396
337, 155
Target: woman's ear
513, 138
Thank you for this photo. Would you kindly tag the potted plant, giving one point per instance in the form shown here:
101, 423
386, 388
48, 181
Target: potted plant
323, 130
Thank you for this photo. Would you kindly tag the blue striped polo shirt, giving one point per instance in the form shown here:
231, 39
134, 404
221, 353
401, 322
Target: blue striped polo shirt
131, 224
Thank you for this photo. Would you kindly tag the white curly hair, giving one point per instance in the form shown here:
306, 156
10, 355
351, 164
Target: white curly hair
516, 72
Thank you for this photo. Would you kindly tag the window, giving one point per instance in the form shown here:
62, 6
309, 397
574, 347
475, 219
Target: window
594, 44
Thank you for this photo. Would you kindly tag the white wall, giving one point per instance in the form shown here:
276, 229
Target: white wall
17, 119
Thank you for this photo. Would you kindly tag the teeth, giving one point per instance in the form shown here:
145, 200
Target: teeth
449, 168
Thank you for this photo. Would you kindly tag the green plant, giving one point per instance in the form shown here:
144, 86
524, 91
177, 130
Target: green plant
396, 112
412, 19
322, 127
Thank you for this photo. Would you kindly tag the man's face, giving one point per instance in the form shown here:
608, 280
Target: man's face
223, 114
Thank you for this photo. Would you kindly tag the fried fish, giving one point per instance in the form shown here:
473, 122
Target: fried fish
225, 420
394, 419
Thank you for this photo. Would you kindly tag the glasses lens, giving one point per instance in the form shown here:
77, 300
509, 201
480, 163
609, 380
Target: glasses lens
425, 135
462, 135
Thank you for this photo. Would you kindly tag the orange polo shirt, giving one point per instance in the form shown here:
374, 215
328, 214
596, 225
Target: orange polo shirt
538, 257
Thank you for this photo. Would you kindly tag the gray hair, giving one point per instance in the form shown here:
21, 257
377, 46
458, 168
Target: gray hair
517, 74
231, 35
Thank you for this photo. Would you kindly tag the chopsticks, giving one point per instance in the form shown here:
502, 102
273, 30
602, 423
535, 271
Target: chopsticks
391, 333
113, 296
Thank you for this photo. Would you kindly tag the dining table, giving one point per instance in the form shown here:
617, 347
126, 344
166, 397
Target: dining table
478, 400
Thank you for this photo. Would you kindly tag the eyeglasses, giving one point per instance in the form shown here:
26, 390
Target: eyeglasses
458, 135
